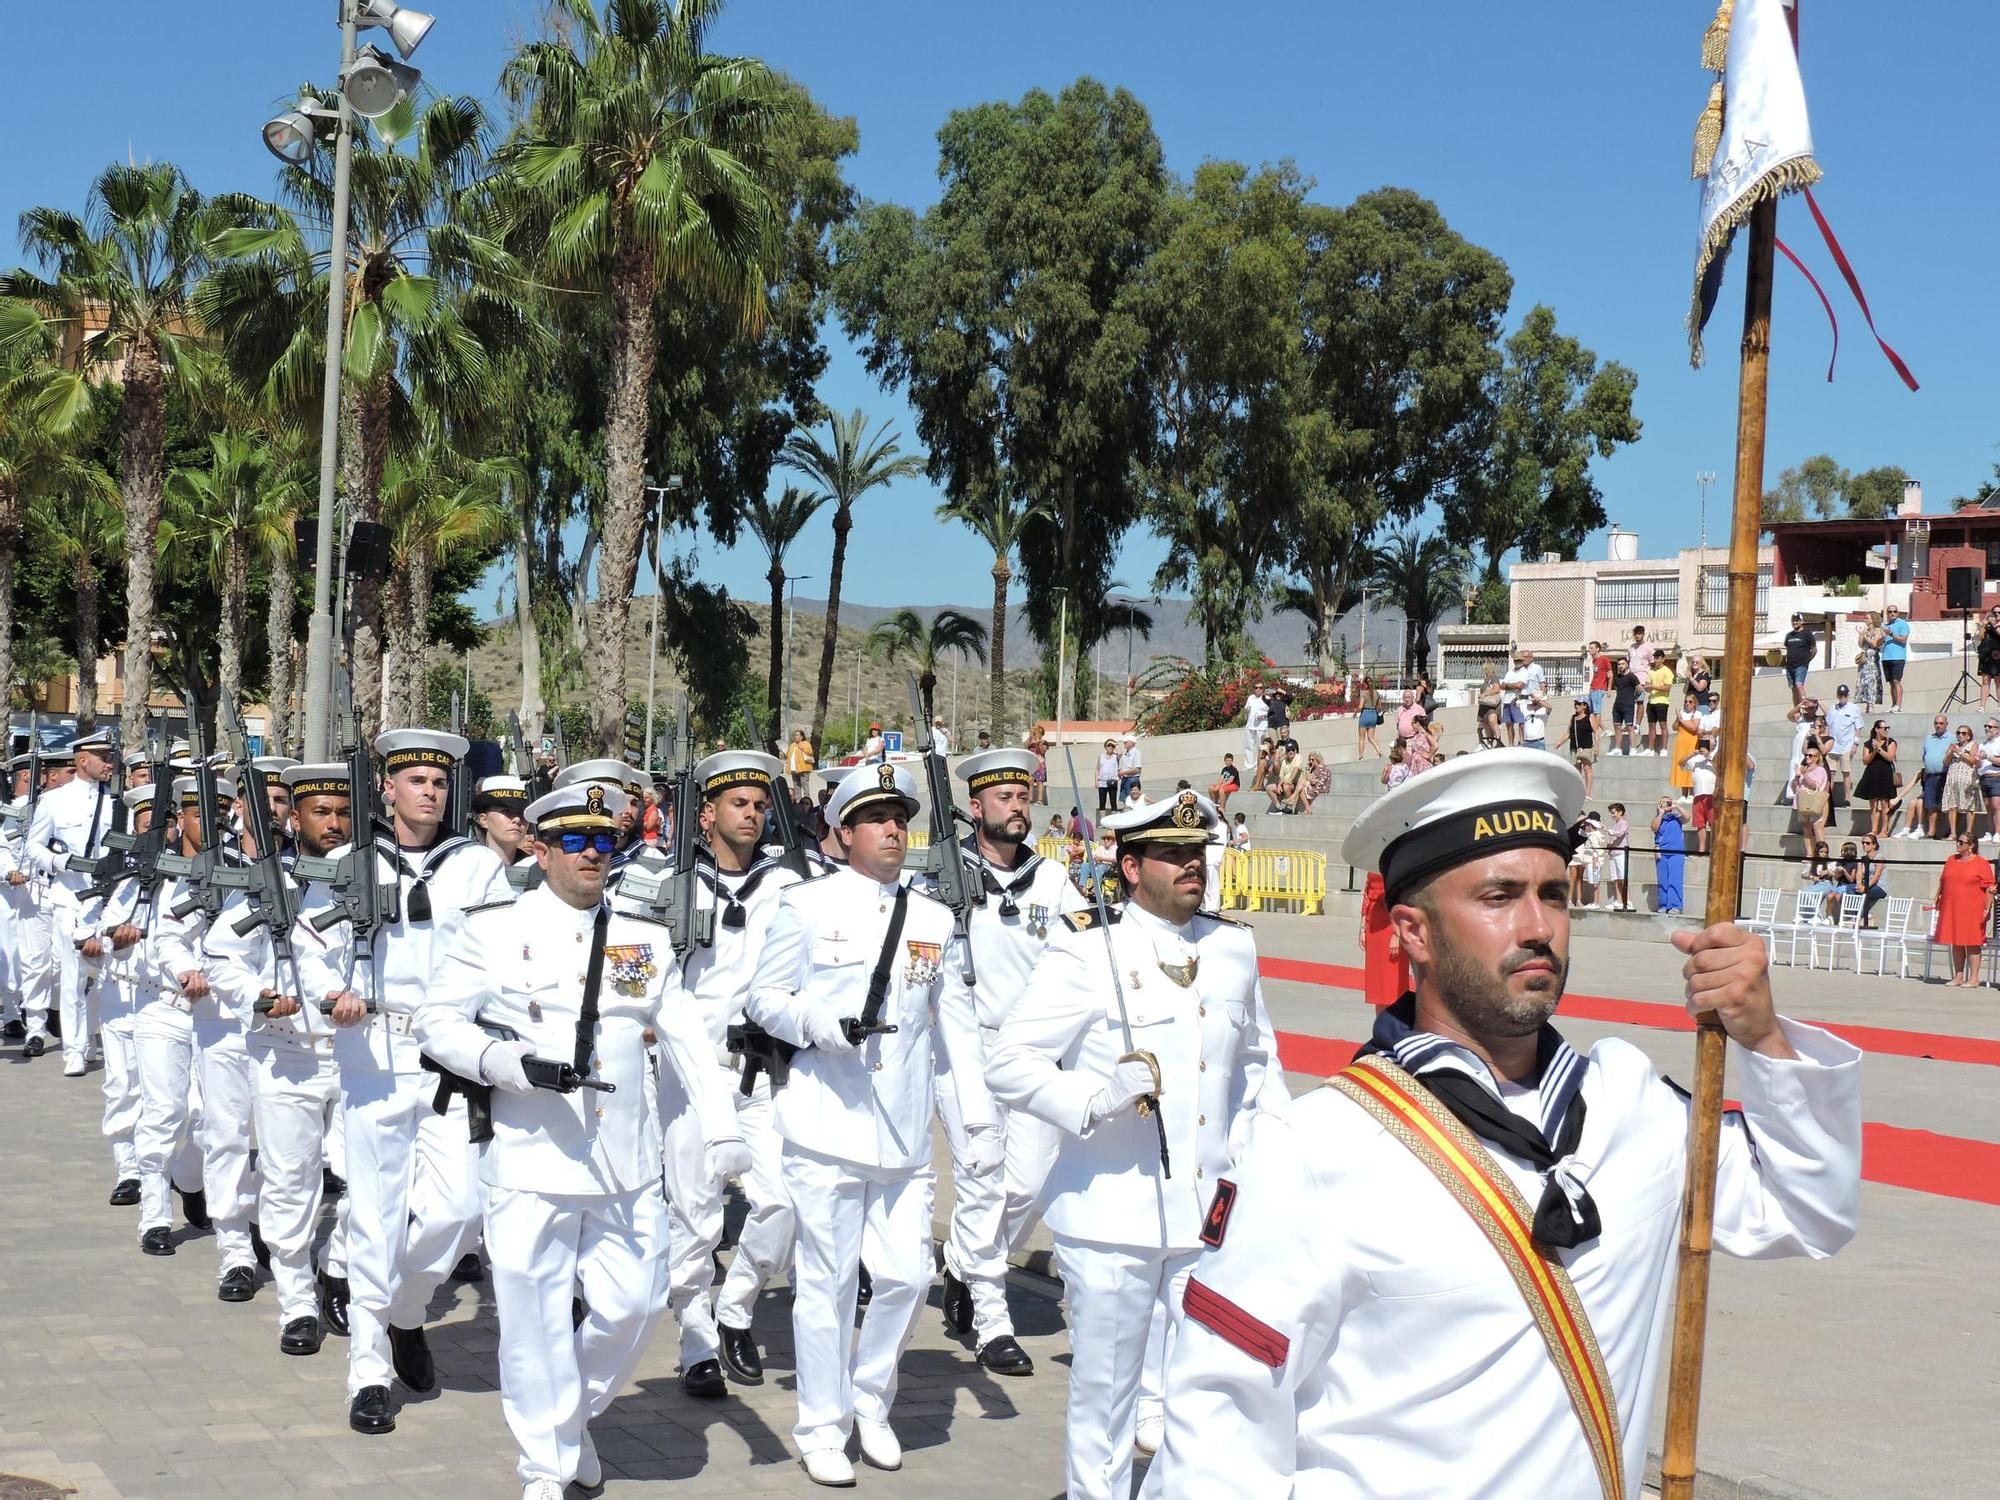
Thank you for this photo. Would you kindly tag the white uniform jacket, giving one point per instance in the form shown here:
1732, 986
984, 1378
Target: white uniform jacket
69, 824
873, 1107
523, 964
718, 975
241, 966
1402, 1360
1057, 1048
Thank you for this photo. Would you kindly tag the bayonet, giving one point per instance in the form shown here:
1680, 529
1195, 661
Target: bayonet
948, 865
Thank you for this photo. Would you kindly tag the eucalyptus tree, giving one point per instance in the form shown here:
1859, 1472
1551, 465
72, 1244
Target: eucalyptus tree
906, 634
846, 466
81, 527
997, 515
776, 526
121, 283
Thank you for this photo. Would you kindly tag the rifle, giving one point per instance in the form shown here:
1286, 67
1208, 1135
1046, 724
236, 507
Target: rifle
359, 897
524, 766
761, 1053
199, 871
669, 895
272, 904
325, 1007
458, 799
794, 857
20, 817
134, 855
947, 867
543, 1073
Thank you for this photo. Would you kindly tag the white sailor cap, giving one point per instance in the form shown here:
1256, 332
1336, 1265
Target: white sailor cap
606, 772
834, 775
991, 768
507, 792
327, 778
272, 767
869, 785
586, 805
137, 797
62, 755
1465, 810
98, 739
188, 793
401, 749
1184, 818
728, 768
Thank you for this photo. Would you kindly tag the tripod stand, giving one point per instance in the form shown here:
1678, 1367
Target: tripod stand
1961, 693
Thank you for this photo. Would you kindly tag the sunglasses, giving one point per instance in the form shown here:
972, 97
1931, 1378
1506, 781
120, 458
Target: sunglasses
576, 843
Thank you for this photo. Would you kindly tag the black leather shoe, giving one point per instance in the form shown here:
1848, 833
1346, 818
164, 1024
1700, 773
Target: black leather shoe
410, 1353
333, 1302
867, 1292
238, 1284
739, 1355
957, 1306
126, 1193
704, 1381
370, 1412
577, 1313
1005, 1357
330, 1183
13, 1031
301, 1336
35, 1046
194, 1208
469, 1268
258, 1248
159, 1240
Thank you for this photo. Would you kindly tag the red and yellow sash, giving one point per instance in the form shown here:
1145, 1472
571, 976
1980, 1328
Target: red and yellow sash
1411, 1113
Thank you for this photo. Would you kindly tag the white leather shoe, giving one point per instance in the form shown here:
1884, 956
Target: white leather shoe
1150, 1432
878, 1444
589, 1470
828, 1466
541, 1489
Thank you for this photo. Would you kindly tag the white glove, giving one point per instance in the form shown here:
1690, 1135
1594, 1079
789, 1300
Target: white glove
1130, 1081
500, 1065
726, 1159
985, 1151
824, 1031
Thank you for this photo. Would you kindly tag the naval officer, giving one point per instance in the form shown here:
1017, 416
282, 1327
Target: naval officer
68, 828
1353, 1330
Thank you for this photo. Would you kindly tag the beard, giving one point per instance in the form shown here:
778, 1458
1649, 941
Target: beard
1006, 828
1481, 998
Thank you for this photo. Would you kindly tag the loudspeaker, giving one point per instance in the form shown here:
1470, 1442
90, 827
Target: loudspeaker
1962, 588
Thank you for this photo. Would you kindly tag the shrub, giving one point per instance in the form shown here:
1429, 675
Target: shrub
1203, 698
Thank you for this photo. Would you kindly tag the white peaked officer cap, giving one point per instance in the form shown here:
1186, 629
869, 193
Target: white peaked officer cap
588, 806
321, 779
729, 768
401, 749
869, 785
990, 768
1187, 817
612, 773
834, 775
1464, 810
97, 739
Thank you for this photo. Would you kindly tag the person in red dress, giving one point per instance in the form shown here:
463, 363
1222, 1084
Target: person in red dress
1965, 908
1385, 972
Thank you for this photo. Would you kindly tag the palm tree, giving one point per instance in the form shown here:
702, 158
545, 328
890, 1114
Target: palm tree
219, 520
950, 632
123, 281
430, 293
1423, 577
434, 510
777, 527
845, 469
83, 528
642, 167
999, 516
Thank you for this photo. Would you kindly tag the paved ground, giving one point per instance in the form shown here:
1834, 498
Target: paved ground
1877, 1374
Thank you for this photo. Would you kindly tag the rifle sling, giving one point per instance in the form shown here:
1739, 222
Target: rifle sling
593, 981
878, 982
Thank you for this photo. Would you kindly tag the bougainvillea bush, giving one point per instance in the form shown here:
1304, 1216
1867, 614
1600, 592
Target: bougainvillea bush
1202, 698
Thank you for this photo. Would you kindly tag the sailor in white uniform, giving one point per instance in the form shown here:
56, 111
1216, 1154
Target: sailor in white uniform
1352, 1330
999, 1160
1143, 1041
17, 900
111, 952
69, 826
40, 975
629, 781
846, 952
572, 1177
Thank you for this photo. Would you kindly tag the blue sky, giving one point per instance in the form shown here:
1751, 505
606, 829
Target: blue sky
1557, 135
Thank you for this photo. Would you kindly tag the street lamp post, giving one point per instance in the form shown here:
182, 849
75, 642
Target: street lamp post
1702, 482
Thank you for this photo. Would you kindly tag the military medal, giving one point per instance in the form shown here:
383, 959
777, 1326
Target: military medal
926, 960
534, 1010
1038, 920
631, 965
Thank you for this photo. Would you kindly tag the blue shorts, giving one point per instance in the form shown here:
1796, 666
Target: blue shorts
1510, 713
1933, 789
1597, 702
1892, 668
1796, 676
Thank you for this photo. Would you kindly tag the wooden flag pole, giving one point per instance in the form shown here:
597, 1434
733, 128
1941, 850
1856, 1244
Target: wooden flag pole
1725, 869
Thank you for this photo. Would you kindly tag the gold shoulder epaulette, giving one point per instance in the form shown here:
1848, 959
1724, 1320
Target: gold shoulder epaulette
1083, 921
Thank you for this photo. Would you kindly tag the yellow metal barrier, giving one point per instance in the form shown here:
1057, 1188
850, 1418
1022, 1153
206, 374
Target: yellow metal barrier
1263, 879
918, 838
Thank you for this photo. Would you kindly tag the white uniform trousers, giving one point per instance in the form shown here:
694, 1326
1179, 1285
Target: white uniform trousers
71, 987
164, 1153
14, 913
222, 1065
121, 1093
1110, 1295
763, 1246
848, 1214
993, 1214
295, 1095
554, 1379
38, 967
412, 1209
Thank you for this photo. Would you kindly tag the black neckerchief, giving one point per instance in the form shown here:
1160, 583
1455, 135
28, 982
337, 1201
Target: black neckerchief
1566, 1216
1020, 877
733, 902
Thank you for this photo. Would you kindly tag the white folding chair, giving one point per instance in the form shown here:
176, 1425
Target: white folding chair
1847, 925
1805, 907
1764, 915
1894, 931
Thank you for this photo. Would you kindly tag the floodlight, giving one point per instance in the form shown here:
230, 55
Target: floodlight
376, 83
406, 28
293, 135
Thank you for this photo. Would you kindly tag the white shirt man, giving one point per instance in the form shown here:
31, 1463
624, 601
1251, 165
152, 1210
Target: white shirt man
1534, 681
1256, 719
741, 885
69, 825
999, 1159
573, 1194
940, 737
19, 901
1843, 728
413, 1200
1352, 1329
1170, 1017
856, 1116
111, 950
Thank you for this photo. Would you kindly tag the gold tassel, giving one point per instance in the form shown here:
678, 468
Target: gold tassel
1715, 41
1708, 132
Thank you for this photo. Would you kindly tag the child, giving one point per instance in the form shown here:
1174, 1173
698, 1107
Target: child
1225, 784
1587, 864
1701, 767
1617, 842
1240, 838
